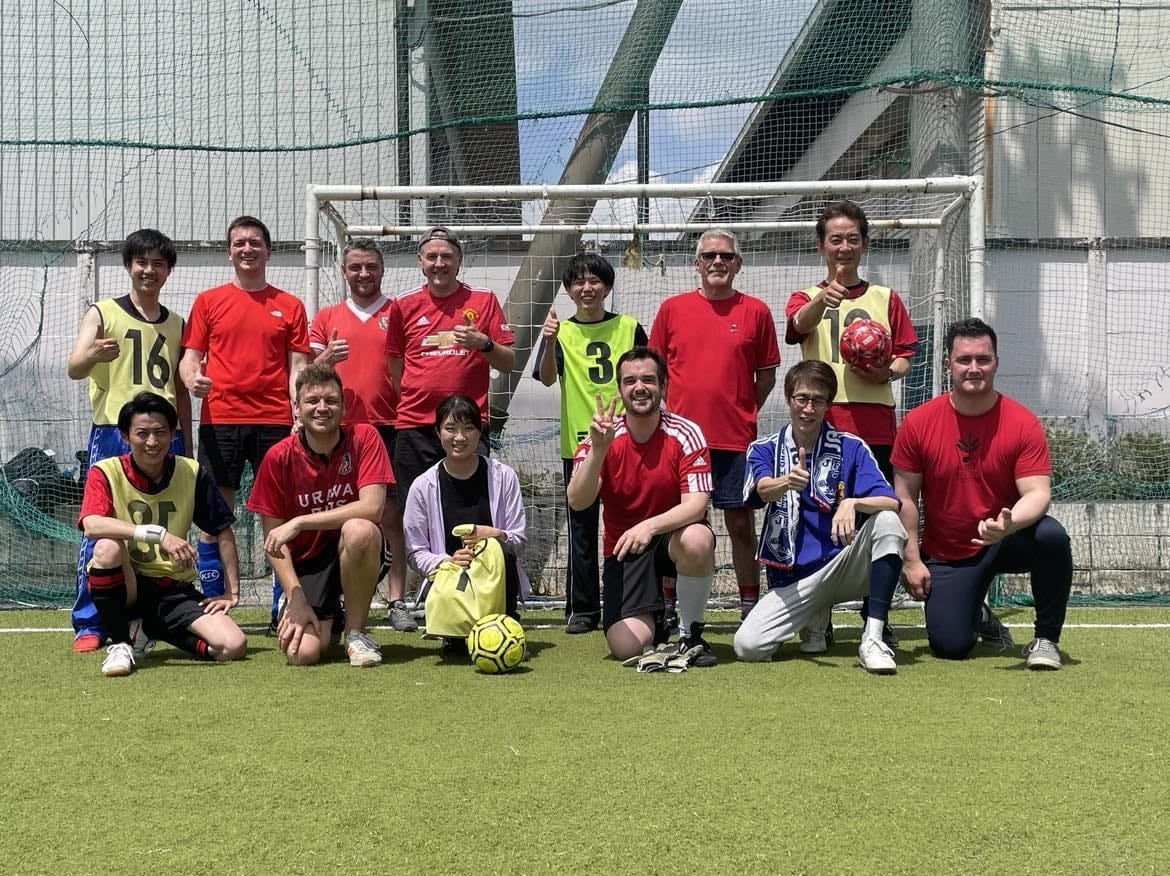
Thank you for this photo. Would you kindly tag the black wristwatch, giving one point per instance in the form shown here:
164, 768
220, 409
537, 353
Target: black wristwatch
491, 345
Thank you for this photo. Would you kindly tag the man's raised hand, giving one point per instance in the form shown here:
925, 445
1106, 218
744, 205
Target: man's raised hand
994, 529
798, 476
551, 326
337, 350
603, 426
834, 293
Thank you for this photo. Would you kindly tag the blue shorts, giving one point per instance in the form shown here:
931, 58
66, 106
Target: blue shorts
728, 470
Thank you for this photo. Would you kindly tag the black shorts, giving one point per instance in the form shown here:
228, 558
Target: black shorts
223, 450
728, 469
168, 608
320, 578
389, 436
633, 586
415, 450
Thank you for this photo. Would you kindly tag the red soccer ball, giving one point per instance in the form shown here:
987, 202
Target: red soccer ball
866, 344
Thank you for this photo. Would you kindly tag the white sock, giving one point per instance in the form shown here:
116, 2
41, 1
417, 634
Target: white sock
693, 591
873, 628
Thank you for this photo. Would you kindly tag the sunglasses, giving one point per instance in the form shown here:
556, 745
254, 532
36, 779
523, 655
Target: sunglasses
712, 256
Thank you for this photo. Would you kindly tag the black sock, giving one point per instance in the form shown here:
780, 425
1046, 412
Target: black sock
192, 644
107, 589
883, 578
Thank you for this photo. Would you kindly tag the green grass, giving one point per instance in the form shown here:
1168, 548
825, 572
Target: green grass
576, 764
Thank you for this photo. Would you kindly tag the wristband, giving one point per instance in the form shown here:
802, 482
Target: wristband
151, 533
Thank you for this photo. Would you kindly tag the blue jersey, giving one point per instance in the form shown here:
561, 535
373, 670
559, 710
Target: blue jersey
848, 472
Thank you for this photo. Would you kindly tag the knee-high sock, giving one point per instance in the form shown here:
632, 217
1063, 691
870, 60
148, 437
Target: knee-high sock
192, 644
107, 589
210, 566
883, 578
693, 591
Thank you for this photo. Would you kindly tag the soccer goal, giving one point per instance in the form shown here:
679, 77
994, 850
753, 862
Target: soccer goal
926, 241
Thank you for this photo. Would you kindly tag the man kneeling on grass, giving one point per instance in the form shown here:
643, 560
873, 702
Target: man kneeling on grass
320, 493
652, 469
816, 481
137, 509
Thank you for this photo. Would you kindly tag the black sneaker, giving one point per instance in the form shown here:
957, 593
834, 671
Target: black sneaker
992, 630
694, 648
889, 636
453, 649
580, 624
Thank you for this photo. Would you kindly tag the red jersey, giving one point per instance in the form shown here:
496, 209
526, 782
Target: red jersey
969, 467
713, 350
640, 481
369, 394
247, 337
294, 480
873, 423
421, 334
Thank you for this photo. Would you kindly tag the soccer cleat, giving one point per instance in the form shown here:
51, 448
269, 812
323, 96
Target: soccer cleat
580, 624
1042, 654
119, 660
400, 617
453, 649
361, 650
694, 650
876, 657
86, 642
993, 632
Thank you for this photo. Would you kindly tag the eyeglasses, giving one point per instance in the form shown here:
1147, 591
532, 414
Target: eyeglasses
712, 256
819, 402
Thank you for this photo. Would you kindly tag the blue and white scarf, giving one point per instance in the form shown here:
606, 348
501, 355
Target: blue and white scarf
781, 527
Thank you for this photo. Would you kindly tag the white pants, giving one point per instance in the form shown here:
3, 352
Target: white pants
784, 611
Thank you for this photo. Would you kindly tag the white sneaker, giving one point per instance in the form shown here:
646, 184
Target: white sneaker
142, 642
361, 650
876, 657
119, 660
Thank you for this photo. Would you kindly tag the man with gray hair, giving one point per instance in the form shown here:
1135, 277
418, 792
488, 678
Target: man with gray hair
442, 338
721, 357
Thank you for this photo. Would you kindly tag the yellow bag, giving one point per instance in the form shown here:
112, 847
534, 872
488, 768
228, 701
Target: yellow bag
458, 597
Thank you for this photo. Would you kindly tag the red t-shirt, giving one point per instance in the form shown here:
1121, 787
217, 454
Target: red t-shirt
247, 337
294, 480
420, 333
639, 481
969, 467
369, 394
713, 350
874, 423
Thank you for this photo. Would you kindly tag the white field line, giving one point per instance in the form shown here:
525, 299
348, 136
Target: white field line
260, 628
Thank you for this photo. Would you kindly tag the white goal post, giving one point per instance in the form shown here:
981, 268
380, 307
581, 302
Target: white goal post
322, 201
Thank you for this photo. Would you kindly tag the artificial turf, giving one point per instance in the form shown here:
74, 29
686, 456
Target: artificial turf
576, 764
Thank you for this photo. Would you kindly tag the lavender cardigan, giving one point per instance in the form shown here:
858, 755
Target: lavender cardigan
422, 519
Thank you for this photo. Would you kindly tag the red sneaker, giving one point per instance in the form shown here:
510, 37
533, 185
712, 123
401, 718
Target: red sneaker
86, 642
